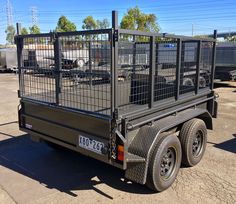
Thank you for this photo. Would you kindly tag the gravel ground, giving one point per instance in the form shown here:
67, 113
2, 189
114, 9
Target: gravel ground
35, 173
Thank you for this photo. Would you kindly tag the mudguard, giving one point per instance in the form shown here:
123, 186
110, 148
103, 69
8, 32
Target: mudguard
143, 144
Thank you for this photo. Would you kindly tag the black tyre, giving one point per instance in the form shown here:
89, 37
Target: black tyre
202, 82
193, 138
188, 82
165, 163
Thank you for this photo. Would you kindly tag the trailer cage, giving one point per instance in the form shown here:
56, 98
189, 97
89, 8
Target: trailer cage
116, 95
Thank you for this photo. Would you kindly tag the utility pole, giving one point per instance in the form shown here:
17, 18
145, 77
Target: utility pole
34, 15
192, 29
9, 13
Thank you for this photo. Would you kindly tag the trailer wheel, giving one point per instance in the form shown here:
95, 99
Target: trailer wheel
188, 82
202, 82
165, 163
193, 138
79, 63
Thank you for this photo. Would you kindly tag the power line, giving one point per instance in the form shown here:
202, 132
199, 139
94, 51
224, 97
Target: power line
203, 8
208, 5
180, 18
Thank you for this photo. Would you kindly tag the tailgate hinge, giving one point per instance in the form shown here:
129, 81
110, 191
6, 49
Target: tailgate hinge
115, 36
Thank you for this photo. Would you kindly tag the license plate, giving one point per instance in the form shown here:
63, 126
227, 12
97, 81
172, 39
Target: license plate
90, 144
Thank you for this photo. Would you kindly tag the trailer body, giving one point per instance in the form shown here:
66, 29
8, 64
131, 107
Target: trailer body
102, 114
8, 59
225, 61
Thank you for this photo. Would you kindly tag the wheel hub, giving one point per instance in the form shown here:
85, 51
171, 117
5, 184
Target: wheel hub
168, 163
197, 143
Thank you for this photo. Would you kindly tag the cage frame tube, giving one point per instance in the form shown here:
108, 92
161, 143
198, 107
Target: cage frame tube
199, 52
58, 74
134, 54
19, 48
152, 71
114, 64
18, 28
213, 60
90, 64
164, 35
178, 67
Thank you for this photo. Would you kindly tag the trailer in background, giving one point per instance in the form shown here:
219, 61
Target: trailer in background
8, 60
226, 61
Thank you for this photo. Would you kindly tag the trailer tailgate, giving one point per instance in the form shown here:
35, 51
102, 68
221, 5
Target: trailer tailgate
63, 125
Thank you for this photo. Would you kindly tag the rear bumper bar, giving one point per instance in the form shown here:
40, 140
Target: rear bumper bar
41, 137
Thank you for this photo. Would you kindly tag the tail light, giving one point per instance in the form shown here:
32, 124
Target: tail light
120, 153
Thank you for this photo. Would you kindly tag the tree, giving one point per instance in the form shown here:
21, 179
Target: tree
134, 19
103, 24
24, 31
34, 29
65, 25
89, 23
10, 31
231, 38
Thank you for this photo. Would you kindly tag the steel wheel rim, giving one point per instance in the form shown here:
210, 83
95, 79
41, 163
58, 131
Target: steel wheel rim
168, 163
197, 143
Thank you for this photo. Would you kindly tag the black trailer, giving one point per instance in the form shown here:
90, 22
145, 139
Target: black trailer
146, 123
225, 61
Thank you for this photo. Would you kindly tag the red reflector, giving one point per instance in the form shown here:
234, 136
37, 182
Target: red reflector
120, 152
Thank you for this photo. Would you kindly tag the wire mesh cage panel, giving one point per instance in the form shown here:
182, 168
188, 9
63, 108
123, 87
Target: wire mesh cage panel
165, 70
37, 77
188, 68
133, 71
205, 65
86, 72
134, 87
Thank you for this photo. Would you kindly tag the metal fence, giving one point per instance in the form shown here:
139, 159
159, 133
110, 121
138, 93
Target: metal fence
113, 70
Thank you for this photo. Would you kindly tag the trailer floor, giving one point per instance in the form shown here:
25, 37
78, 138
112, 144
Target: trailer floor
35, 173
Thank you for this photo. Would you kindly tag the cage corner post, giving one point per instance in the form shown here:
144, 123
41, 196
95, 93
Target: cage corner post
19, 48
114, 63
178, 67
199, 53
152, 71
58, 75
18, 28
213, 60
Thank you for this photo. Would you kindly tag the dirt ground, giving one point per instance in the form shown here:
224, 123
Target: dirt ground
35, 173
